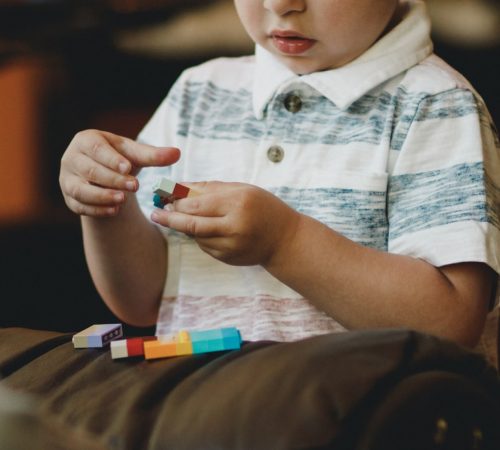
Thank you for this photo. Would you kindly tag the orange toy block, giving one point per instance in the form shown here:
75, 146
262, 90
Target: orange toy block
159, 349
165, 347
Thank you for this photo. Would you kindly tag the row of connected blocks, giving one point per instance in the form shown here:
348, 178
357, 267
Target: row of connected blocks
153, 347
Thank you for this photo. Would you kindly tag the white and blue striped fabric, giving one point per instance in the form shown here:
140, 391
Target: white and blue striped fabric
394, 150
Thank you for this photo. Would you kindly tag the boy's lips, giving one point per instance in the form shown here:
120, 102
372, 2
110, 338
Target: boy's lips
290, 42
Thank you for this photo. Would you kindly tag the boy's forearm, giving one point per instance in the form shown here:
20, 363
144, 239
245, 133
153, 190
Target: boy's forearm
365, 288
127, 258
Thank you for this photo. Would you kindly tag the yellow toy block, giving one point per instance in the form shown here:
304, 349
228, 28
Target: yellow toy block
184, 344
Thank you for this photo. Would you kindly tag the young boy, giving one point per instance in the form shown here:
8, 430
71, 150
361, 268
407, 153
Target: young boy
347, 179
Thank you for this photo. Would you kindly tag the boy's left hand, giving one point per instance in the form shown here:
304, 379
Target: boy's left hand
239, 224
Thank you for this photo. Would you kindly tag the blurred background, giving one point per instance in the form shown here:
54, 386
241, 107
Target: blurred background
68, 65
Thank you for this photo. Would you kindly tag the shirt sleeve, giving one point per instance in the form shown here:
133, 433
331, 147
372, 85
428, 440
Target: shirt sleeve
443, 194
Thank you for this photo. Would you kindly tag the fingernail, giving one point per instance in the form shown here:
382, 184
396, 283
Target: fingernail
118, 196
130, 185
154, 216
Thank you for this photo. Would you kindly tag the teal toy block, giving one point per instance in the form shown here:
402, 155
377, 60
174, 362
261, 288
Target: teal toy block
214, 340
231, 337
198, 338
206, 341
158, 202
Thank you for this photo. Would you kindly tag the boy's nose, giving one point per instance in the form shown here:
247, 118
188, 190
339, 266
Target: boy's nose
282, 7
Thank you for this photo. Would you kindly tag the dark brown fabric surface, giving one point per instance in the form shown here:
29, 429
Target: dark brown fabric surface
319, 393
22, 427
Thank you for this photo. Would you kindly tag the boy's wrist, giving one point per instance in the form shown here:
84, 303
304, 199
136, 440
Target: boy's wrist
284, 248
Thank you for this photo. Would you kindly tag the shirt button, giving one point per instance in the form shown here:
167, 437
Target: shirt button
275, 153
293, 103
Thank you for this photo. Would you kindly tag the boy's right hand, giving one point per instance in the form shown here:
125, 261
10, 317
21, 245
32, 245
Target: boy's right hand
98, 169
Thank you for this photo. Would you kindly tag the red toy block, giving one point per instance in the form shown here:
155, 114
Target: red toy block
135, 346
180, 191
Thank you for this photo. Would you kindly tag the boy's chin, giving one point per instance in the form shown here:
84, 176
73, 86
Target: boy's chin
298, 66
302, 65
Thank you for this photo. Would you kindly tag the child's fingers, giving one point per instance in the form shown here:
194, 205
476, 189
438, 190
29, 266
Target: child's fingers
97, 148
96, 173
196, 226
89, 194
209, 187
143, 155
211, 198
83, 209
201, 205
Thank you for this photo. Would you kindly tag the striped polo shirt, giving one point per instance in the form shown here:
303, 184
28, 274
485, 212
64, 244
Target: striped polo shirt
395, 151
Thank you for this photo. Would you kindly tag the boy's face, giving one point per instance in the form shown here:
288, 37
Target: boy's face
313, 35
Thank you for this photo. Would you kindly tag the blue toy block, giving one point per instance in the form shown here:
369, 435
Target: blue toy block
94, 341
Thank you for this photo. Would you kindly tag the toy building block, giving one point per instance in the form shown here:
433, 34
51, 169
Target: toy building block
127, 348
119, 349
166, 347
215, 340
193, 342
160, 349
207, 341
164, 187
167, 191
232, 338
97, 336
184, 345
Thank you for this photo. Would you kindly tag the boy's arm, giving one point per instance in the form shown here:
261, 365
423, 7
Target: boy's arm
365, 288
127, 258
125, 253
358, 286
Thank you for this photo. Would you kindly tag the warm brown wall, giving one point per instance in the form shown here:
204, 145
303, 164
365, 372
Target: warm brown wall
21, 84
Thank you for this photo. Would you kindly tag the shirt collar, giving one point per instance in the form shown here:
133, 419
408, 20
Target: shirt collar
404, 46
